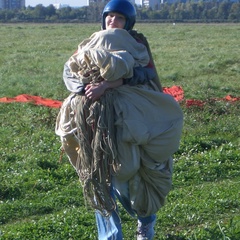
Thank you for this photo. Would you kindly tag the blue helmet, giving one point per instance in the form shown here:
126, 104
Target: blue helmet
123, 7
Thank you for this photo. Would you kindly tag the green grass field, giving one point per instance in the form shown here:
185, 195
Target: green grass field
41, 197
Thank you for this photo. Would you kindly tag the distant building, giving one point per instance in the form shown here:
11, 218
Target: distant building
154, 4
59, 5
12, 4
89, 2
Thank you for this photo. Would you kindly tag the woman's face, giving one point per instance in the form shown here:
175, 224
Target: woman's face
115, 20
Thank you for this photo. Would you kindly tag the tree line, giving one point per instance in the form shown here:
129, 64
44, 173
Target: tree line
201, 11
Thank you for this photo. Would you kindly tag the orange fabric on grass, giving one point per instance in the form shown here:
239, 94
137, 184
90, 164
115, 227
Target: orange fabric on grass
175, 91
33, 99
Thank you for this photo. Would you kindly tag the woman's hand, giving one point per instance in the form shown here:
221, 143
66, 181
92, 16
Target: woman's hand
95, 91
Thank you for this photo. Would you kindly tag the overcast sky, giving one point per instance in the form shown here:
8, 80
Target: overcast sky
45, 3
71, 3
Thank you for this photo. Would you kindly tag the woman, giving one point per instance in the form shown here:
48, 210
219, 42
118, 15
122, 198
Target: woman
120, 135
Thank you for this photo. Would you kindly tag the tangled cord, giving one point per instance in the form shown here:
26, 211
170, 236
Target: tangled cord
97, 154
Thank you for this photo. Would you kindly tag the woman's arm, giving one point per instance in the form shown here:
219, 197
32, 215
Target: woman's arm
141, 75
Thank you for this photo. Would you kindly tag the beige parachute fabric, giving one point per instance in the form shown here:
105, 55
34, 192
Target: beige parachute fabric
106, 54
148, 130
131, 133
120, 137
